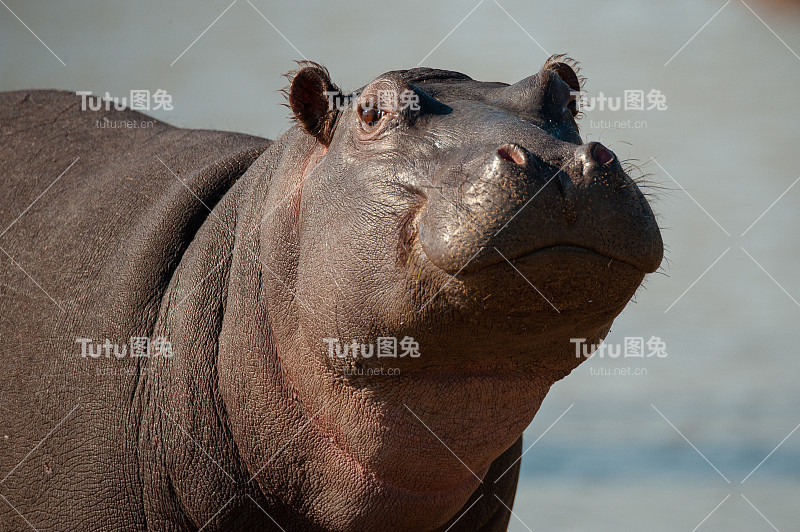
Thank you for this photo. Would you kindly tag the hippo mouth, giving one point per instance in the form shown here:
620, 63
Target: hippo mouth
642, 264
642, 259
556, 277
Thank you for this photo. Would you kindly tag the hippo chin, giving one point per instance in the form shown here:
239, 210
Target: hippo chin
362, 316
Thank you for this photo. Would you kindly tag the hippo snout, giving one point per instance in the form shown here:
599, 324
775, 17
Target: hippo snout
522, 200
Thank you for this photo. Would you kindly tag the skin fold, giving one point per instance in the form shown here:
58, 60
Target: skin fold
477, 224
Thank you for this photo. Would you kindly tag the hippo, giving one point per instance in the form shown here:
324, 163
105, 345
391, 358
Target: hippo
345, 329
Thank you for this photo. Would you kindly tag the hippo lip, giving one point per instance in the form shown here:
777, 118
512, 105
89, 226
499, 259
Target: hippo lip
640, 265
644, 265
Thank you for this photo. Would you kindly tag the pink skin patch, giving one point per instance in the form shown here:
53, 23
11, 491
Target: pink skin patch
602, 155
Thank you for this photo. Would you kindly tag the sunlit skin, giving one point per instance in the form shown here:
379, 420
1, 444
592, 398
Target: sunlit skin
476, 225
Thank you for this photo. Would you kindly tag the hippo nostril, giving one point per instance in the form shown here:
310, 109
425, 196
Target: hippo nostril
513, 153
602, 155
594, 156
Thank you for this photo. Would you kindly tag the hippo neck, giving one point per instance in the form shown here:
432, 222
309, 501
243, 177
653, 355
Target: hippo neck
197, 397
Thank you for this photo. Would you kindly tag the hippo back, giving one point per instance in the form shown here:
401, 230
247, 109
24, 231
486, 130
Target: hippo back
96, 212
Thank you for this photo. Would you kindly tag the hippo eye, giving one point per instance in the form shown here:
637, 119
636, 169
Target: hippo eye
370, 116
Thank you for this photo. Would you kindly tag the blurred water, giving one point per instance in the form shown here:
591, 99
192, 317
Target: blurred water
729, 382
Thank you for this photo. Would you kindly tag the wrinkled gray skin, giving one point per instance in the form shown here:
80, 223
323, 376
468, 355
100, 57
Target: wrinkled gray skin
351, 225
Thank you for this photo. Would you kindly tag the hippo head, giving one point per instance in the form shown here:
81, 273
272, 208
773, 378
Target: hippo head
467, 222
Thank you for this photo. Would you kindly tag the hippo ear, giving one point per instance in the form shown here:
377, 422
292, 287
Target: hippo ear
567, 69
308, 94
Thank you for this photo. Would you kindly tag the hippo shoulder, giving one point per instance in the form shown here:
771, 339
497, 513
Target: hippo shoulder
103, 200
